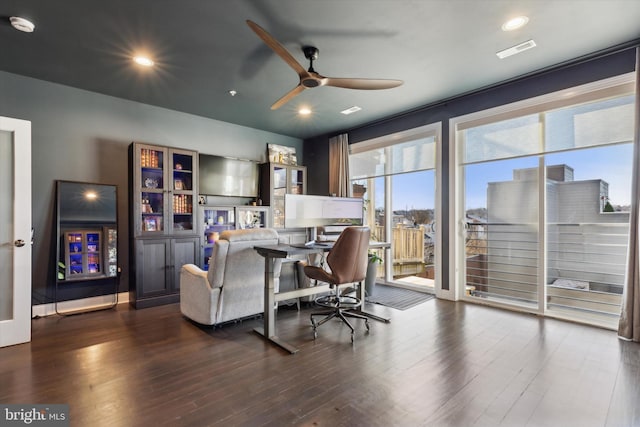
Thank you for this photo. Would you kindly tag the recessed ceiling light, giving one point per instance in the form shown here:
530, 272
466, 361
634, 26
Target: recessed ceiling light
351, 110
529, 44
304, 111
515, 23
22, 24
143, 60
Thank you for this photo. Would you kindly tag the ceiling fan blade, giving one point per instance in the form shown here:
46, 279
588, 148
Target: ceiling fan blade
366, 84
289, 95
277, 47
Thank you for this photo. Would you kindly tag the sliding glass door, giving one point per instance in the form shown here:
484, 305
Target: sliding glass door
396, 176
544, 191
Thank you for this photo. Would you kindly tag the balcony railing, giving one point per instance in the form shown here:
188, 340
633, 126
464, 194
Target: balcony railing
585, 264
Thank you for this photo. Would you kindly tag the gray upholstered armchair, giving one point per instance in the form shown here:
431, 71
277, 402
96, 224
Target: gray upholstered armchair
233, 287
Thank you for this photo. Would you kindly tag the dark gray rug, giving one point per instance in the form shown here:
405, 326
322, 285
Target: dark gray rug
398, 298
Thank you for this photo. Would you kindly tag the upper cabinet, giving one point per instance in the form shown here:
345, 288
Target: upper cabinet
276, 180
164, 190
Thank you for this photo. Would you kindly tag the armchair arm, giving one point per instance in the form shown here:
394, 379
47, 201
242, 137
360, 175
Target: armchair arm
192, 274
198, 299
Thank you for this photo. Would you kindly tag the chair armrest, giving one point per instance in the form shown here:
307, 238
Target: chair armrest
198, 299
191, 274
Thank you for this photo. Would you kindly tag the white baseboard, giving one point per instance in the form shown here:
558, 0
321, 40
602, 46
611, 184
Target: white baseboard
42, 310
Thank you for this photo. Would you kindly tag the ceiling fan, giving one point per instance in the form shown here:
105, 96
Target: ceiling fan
310, 78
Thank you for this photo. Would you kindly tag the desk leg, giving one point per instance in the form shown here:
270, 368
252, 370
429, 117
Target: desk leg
269, 329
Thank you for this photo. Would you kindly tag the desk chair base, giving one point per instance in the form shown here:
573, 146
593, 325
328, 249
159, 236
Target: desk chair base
340, 307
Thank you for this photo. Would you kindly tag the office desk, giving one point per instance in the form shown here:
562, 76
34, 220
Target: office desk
270, 253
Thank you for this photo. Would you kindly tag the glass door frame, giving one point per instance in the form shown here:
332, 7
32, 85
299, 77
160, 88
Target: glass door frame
15, 327
431, 130
457, 231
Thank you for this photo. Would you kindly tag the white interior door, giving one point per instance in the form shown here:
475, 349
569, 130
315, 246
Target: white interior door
15, 231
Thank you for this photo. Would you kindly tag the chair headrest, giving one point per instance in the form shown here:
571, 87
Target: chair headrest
249, 234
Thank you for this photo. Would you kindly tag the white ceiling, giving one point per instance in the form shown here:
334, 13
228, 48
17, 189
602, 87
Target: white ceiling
440, 48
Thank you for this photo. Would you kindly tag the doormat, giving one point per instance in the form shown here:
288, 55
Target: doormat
398, 298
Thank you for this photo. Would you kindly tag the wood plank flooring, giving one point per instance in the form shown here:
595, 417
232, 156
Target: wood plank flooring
437, 364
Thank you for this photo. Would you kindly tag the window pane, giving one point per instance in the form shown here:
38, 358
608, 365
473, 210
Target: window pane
367, 164
587, 232
501, 204
415, 155
597, 123
413, 233
502, 140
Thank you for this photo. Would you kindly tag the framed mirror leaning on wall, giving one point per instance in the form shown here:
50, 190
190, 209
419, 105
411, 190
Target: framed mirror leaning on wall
87, 239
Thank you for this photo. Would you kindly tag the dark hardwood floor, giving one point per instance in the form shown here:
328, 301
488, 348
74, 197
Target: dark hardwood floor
437, 364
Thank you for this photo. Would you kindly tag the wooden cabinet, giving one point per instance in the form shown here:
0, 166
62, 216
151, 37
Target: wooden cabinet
157, 269
216, 219
276, 180
163, 221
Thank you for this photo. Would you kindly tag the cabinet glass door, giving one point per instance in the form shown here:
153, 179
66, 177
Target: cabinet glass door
252, 217
182, 188
152, 194
83, 254
297, 184
279, 180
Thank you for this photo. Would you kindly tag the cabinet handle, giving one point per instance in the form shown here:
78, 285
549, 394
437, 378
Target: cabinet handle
19, 243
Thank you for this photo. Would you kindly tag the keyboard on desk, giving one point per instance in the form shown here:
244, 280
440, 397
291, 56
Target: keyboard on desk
312, 246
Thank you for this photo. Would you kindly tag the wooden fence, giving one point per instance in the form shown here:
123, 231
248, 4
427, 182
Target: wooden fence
408, 245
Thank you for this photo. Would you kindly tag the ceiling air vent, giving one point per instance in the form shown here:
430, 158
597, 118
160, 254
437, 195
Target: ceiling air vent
529, 44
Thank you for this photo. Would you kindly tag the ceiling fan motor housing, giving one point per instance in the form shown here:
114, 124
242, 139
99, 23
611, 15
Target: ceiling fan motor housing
311, 52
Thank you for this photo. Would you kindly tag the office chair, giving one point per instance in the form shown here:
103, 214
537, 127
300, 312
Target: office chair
347, 261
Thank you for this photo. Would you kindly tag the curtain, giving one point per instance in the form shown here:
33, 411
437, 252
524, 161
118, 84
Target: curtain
339, 166
629, 326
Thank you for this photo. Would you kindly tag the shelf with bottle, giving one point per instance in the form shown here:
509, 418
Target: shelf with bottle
152, 203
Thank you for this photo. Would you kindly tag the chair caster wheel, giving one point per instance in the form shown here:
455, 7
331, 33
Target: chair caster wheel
315, 335
352, 338
366, 324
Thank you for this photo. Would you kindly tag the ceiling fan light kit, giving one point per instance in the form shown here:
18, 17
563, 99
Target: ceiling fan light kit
309, 78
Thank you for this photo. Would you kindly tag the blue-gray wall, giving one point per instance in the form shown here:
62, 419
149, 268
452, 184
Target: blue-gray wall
84, 136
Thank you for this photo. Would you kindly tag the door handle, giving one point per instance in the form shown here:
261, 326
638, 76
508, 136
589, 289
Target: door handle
19, 243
